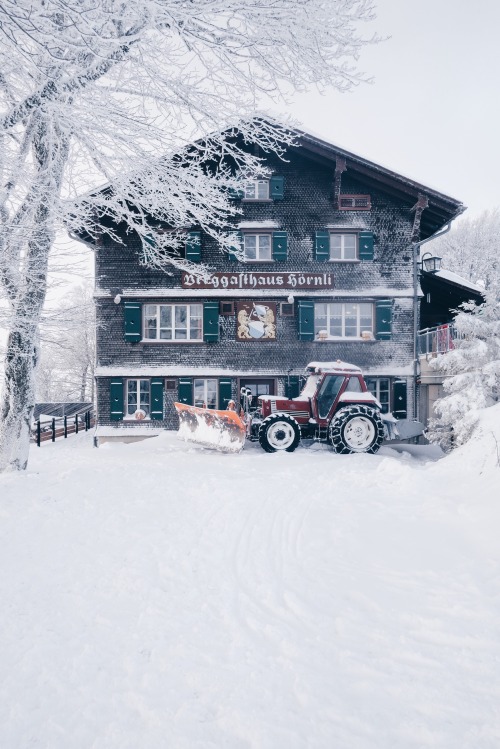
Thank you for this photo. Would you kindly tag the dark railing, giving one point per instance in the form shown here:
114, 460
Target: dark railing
438, 340
60, 426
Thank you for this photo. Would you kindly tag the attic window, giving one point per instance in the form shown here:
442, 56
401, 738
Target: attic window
355, 202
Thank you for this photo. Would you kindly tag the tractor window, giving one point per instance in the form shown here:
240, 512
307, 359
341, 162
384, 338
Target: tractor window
327, 394
353, 386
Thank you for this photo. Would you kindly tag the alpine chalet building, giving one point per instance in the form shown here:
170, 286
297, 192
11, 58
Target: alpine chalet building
330, 272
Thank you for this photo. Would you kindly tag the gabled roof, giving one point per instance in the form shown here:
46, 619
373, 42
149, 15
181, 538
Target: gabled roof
441, 209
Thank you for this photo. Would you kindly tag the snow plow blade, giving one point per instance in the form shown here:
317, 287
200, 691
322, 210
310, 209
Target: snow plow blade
220, 430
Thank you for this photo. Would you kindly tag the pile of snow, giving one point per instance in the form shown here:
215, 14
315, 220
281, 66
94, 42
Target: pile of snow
161, 595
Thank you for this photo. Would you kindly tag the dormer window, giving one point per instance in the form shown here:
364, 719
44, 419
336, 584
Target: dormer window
256, 189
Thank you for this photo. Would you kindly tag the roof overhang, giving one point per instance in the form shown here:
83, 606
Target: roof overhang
441, 208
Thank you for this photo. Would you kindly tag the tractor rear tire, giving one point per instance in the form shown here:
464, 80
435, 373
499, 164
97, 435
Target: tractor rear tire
356, 429
279, 432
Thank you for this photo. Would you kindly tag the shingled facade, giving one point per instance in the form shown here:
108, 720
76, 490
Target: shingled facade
330, 243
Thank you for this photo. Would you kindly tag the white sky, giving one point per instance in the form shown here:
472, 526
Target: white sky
432, 112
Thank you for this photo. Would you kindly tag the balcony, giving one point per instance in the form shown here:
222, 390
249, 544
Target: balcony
438, 340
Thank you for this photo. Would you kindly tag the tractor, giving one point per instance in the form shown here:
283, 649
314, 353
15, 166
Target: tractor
334, 407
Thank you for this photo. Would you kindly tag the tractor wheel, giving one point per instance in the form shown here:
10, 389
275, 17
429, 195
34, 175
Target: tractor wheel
356, 429
279, 432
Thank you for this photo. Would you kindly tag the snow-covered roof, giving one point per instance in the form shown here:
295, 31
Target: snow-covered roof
328, 366
448, 275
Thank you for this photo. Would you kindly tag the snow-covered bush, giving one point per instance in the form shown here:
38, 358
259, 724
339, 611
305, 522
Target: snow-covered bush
472, 373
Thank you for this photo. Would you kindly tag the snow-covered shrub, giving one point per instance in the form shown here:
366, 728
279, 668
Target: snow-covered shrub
472, 374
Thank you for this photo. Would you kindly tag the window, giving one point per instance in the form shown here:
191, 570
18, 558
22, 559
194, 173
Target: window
328, 393
256, 189
355, 203
257, 246
343, 320
380, 388
343, 247
353, 386
173, 322
138, 399
205, 393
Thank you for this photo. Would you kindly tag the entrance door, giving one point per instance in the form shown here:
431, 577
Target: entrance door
258, 386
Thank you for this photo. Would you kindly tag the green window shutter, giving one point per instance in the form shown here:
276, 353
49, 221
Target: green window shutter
157, 398
132, 313
116, 399
306, 320
225, 393
383, 316
186, 390
292, 388
277, 188
193, 246
211, 321
280, 245
400, 403
232, 250
322, 246
365, 240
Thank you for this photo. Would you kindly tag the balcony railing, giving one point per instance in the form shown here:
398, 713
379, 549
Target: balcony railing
438, 340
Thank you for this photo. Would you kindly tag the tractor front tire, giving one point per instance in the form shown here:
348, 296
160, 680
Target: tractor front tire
279, 432
356, 429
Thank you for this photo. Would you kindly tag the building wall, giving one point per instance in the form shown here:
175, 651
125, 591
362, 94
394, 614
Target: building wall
307, 207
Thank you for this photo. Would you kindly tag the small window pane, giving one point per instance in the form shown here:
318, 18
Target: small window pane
366, 317
350, 247
250, 246
211, 393
150, 326
250, 190
264, 247
336, 320
262, 189
335, 246
196, 322
199, 393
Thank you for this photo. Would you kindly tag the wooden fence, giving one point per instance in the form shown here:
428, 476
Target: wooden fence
61, 426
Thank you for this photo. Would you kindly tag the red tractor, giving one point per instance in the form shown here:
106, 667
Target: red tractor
334, 407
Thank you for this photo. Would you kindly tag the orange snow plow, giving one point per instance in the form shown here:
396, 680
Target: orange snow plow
224, 431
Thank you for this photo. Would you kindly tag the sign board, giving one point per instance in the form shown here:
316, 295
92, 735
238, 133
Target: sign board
246, 280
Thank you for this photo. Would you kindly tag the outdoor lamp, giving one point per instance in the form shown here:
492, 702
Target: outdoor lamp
430, 264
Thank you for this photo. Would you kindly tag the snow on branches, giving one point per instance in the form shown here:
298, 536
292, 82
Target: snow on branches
472, 373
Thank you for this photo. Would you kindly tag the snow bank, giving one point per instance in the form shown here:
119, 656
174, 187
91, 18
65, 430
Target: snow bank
161, 595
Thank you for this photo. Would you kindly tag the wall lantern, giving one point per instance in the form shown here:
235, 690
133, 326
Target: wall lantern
430, 263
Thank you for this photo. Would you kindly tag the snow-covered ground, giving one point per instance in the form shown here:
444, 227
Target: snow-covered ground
158, 596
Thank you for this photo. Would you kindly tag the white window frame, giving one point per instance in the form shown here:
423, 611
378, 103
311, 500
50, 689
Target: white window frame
138, 380
259, 187
342, 257
204, 402
318, 333
378, 390
258, 236
189, 338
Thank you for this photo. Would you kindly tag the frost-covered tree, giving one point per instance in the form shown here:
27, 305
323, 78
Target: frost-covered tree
67, 349
95, 91
472, 373
472, 249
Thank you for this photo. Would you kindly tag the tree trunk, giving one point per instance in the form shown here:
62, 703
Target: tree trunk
50, 151
83, 389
